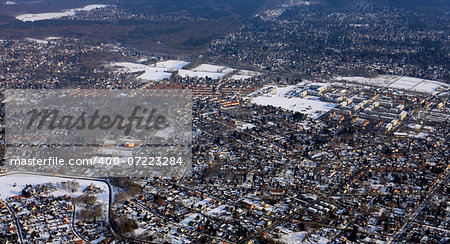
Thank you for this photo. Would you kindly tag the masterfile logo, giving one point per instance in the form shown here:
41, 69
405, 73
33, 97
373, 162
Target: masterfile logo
140, 133
55, 120
85, 117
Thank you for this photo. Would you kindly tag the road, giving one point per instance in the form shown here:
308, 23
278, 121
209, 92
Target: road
294, 214
79, 178
411, 216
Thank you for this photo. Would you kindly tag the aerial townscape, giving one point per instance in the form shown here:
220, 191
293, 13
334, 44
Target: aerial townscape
321, 121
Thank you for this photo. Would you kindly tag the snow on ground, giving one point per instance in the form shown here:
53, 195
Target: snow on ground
150, 73
53, 38
43, 41
213, 68
398, 82
189, 219
428, 86
154, 75
248, 72
206, 70
166, 133
244, 74
164, 69
405, 83
277, 98
131, 67
241, 77
378, 81
320, 239
293, 237
191, 73
312, 196
243, 126
55, 15
8, 190
172, 64
139, 231
37, 40
10, 3
218, 211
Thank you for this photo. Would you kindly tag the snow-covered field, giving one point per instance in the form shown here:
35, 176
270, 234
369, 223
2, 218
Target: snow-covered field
172, 64
276, 97
206, 70
213, 68
150, 72
55, 15
241, 77
429, 86
199, 74
7, 188
37, 40
399, 82
164, 69
378, 81
244, 74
